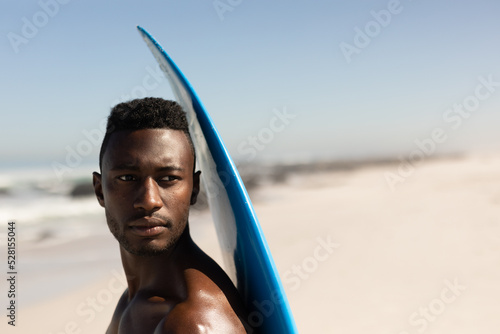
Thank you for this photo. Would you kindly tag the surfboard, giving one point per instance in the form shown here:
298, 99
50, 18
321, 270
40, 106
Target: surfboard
248, 261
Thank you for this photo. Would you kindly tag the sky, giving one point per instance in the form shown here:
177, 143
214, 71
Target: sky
282, 80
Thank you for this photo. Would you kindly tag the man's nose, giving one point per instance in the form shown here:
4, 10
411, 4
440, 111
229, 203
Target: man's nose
148, 197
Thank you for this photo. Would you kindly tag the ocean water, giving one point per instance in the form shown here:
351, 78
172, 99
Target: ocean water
62, 239
46, 206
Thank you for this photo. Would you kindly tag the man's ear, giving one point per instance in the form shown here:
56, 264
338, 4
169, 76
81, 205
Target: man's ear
196, 187
97, 181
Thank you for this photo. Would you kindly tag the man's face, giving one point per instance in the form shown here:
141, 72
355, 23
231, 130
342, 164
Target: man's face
146, 187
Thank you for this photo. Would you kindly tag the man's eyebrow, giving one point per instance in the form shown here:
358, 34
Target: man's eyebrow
171, 168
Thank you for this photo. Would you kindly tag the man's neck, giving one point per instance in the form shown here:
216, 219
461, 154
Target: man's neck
149, 273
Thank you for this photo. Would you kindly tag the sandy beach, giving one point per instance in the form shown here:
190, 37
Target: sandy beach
355, 254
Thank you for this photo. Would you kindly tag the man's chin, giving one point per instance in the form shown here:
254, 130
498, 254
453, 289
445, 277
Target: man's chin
148, 252
148, 249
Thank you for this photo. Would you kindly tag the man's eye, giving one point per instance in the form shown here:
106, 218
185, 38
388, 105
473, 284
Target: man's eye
169, 178
127, 178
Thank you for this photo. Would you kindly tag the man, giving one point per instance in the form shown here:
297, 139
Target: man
146, 186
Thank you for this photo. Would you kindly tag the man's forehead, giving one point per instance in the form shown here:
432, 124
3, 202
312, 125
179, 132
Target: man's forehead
160, 146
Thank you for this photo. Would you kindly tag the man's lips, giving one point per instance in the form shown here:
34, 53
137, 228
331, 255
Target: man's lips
147, 227
145, 231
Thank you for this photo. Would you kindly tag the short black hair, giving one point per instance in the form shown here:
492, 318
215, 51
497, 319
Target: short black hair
145, 113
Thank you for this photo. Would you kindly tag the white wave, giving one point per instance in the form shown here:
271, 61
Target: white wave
41, 209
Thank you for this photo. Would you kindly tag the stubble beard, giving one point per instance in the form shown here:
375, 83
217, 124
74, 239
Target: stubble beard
148, 249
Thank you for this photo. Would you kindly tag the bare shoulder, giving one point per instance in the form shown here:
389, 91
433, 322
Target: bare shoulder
206, 310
